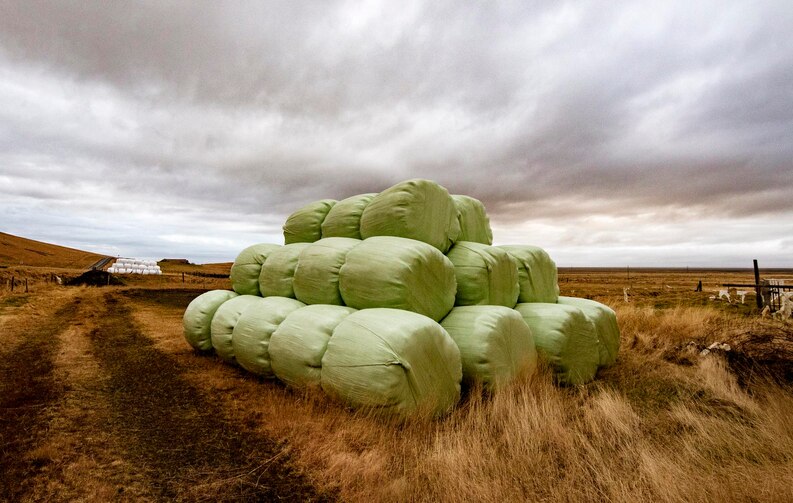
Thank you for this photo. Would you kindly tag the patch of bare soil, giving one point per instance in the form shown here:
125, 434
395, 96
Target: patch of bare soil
180, 437
28, 389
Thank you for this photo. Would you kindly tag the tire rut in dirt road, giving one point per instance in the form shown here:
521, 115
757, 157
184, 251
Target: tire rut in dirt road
28, 388
184, 442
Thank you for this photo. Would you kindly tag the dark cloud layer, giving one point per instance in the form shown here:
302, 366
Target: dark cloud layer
547, 111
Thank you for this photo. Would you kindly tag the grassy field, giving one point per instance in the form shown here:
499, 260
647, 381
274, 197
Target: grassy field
18, 251
102, 399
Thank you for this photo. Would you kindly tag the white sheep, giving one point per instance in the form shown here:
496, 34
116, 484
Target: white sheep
786, 306
723, 294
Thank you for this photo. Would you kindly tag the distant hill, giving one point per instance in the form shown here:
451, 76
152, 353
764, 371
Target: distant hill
170, 265
15, 250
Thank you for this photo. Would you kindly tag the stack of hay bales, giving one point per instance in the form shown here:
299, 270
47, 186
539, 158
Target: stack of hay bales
390, 301
134, 266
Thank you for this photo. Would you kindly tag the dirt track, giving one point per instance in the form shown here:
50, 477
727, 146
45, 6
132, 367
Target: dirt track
92, 409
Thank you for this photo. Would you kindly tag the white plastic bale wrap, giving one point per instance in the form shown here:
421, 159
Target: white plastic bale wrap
224, 321
392, 361
197, 319
278, 271
537, 273
248, 266
316, 279
565, 336
496, 345
605, 321
251, 337
299, 343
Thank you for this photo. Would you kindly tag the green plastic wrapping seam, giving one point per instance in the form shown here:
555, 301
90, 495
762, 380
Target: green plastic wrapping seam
344, 219
197, 319
250, 338
474, 222
224, 321
247, 267
398, 273
496, 344
486, 275
277, 274
394, 362
316, 279
605, 320
566, 338
299, 343
305, 224
415, 209
537, 273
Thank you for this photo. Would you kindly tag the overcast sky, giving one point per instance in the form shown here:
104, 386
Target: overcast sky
609, 133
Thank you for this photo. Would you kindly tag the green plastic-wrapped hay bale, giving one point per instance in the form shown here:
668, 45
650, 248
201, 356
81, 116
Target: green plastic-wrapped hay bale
398, 273
537, 274
392, 361
316, 278
278, 271
495, 344
251, 336
344, 219
486, 275
305, 225
248, 266
197, 319
299, 343
224, 321
605, 321
414, 209
474, 222
566, 338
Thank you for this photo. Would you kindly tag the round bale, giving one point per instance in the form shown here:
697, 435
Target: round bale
224, 321
344, 219
392, 361
251, 337
566, 338
316, 278
278, 272
248, 266
495, 344
486, 275
305, 225
197, 319
299, 343
398, 273
415, 209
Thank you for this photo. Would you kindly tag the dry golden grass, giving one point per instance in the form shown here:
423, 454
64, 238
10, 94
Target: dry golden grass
15, 251
223, 268
648, 429
662, 424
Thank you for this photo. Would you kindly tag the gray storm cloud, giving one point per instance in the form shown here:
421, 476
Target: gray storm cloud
551, 111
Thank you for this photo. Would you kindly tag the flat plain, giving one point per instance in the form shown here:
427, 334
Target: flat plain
102, 399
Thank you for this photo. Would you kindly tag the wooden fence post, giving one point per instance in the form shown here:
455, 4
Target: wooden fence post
757, 289
26, 285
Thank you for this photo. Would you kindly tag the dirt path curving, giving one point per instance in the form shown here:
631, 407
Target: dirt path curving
91, 410
179, 436
28, 391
